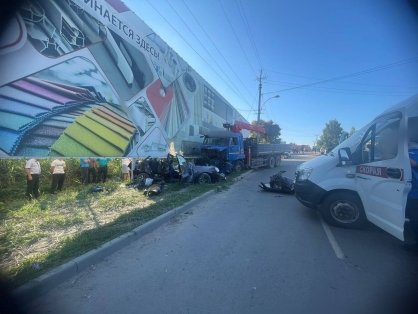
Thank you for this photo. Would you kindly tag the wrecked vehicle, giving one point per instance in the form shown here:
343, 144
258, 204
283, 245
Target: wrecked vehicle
175, 167
192, 173
279, 184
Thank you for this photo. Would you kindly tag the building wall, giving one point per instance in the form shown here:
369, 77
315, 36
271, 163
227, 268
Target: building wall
90, 78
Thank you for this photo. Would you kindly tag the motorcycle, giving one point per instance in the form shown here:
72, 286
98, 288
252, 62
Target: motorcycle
279, 184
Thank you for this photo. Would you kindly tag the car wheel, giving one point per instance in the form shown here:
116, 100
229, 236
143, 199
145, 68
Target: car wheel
204, 178
238, 166
278, 161
272, 162
344, 209
142, 176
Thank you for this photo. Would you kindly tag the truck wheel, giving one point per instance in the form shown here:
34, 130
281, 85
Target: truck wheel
344, 209
238, 166
272, 162
278, 161
204, 178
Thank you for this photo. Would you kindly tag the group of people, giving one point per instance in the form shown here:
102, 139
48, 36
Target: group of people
33, 172
94, 170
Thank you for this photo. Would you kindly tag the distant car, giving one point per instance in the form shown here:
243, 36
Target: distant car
286, 155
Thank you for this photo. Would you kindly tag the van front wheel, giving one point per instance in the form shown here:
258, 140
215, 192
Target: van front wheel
344, 209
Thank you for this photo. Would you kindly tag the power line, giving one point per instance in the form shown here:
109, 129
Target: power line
204, 47
350, 90
355, 74
215, 46
345, 82
236, 36
241, 11
182, 37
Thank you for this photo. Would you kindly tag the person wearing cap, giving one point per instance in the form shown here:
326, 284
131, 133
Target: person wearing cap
33, 171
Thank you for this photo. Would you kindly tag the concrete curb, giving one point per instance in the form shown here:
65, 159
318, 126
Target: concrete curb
49, 280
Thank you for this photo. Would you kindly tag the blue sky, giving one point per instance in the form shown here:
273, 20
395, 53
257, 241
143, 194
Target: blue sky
295, 43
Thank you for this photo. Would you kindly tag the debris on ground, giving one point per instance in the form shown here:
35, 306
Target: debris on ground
279, 184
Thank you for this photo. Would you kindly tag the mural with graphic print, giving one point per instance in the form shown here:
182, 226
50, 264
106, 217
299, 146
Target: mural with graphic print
89, 78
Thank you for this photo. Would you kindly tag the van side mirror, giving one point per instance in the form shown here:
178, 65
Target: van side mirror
344, 156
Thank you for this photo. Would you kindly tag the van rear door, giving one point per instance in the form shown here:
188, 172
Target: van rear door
381, 174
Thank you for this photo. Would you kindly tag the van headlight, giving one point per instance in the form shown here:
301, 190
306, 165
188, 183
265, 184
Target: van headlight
216, 169
304, 174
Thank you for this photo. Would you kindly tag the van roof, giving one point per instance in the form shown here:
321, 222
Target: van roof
409, 103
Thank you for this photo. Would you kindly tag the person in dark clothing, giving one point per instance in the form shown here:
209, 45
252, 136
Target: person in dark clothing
93, 170
84, 165
33, 171
102, 172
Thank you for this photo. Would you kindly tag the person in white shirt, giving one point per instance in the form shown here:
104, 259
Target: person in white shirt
126, 170
58, 174
33, 171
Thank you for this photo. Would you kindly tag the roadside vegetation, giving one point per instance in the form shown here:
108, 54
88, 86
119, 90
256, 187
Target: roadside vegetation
38, 235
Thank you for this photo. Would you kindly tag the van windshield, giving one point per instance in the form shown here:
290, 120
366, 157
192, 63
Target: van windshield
352, 142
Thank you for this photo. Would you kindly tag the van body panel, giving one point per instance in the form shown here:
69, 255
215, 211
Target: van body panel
379, 170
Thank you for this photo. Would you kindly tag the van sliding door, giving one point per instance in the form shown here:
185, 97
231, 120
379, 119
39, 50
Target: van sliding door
382, 171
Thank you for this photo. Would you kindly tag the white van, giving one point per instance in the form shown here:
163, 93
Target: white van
366, 177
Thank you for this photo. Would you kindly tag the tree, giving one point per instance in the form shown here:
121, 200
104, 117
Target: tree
352, 131
330, 135
272, 131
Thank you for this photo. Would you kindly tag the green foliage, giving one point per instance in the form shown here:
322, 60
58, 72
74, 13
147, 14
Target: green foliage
13, 177
330, 135
272, 134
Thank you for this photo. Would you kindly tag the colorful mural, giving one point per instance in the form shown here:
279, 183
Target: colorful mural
89, 78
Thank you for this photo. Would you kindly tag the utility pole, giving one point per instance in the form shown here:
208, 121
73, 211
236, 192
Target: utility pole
260, 86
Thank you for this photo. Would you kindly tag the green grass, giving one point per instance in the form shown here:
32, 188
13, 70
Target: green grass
36, 236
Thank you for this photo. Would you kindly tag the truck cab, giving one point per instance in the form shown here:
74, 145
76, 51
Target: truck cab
368, 176
223, 146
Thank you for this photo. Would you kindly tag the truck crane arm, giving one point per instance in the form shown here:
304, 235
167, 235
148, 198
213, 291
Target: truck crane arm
238, 126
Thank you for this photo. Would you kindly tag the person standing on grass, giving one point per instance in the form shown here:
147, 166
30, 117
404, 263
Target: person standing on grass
93, 170
126, 168
102, 173
33, 171
58, 174
84, 165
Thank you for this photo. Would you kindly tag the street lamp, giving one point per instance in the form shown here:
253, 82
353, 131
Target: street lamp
259, 106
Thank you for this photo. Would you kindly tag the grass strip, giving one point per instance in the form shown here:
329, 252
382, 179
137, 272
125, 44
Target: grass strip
53, 215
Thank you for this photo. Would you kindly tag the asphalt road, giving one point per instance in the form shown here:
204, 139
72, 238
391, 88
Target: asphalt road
246, 251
